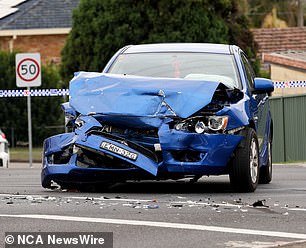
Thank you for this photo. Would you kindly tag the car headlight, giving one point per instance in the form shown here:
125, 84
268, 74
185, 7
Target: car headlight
203, 124
217, 123
200, 127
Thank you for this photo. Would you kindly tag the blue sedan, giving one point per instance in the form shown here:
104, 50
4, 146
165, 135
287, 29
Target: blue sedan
165, 111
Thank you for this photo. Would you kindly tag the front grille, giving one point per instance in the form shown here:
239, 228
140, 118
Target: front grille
91, 158
130, 132
141, 149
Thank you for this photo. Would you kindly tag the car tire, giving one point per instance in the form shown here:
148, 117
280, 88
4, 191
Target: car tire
1, 163
265, 175
244, 171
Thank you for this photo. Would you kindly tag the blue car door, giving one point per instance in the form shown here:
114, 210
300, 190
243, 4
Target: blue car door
259, 106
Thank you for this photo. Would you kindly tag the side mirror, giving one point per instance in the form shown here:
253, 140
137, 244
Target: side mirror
263, 85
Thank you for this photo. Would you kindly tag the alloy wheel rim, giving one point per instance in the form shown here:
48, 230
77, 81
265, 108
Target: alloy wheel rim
269, 158
253, 161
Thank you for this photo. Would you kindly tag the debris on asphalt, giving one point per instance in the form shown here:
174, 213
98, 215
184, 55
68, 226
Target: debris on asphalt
29, 198
235, 205
136, 206
153, 206
128, 205
177, 205
260, 203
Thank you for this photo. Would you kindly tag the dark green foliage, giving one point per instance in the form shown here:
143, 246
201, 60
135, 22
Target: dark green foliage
46, 112
241, 36
100, 28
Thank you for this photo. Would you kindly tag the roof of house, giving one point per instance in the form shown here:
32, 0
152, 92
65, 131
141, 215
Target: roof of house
283, 46
40, 14
280, 39
296, 59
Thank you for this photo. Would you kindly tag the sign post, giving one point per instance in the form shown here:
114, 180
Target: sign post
28, 74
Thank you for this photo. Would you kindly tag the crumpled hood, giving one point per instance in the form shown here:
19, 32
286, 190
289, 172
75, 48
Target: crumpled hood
111, 94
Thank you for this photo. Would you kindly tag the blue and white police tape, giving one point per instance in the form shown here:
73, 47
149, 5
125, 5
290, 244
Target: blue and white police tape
35, 92
289, 84
65, 92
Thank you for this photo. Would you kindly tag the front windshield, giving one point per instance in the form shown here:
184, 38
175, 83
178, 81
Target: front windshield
197, 66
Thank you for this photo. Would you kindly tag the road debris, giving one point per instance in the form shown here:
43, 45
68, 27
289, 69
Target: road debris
260, 203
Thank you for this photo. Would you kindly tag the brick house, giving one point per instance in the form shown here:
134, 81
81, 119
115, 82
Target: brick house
36, 26
283, 50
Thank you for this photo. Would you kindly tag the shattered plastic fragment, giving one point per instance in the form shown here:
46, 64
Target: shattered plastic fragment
177, 205
153, 207
260, 203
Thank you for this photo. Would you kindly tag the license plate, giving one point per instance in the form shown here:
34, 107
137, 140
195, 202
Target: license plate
118, 150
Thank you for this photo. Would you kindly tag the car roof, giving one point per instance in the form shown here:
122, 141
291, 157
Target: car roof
179, 47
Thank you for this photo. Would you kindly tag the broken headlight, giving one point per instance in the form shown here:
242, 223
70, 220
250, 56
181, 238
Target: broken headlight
79, 122
69, 120
200, 127
217, 123
203, 124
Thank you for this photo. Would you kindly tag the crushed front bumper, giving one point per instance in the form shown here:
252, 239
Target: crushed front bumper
95, 158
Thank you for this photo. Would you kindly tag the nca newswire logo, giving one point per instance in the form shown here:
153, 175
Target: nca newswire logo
57, 239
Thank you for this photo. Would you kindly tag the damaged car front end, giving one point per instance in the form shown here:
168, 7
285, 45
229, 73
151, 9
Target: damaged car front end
129, 126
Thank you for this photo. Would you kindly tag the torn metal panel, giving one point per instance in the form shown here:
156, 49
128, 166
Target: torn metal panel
138, 96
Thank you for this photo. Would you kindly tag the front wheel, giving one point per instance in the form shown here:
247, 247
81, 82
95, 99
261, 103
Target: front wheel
244, 171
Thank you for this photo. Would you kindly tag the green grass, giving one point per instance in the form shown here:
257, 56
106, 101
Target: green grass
21, 154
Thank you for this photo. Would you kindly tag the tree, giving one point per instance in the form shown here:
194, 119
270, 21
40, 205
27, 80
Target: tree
46, 112
100, 28
300, 13
291, 11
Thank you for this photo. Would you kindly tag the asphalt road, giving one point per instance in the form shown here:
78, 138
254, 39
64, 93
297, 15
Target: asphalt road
162, 214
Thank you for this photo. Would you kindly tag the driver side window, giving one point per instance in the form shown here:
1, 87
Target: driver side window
250, 75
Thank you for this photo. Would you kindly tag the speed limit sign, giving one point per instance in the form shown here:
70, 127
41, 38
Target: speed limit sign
28, 71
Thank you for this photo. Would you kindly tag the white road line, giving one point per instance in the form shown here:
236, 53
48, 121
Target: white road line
162, 224
78, 198
292, 164
297, 209
105, 199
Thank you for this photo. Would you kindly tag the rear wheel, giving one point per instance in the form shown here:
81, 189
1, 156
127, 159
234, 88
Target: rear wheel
265, 175
244, 172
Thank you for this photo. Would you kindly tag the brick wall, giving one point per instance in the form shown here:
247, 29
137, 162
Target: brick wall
49, 46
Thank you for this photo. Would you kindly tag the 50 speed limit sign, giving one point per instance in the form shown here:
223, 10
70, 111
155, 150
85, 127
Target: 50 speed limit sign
28, 71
